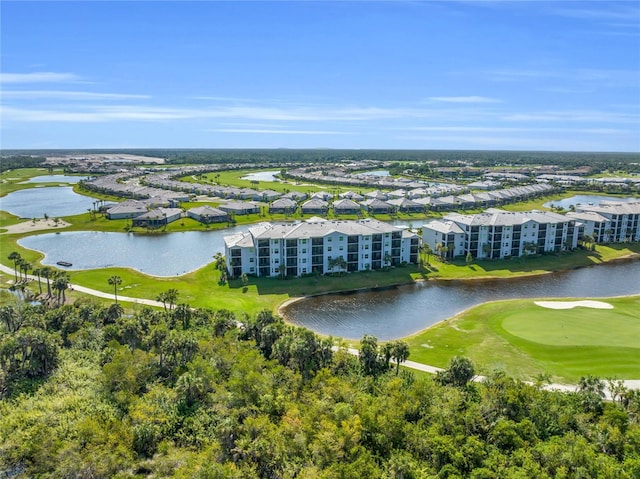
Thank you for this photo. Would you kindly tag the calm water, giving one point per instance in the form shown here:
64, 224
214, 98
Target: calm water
169, 254
585, 200
376, 173
55, 179
405, 310
262, 176
55, 201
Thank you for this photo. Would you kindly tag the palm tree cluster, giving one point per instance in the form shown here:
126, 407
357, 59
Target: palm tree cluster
57, 281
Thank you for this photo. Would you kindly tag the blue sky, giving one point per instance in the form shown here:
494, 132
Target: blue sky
508, 75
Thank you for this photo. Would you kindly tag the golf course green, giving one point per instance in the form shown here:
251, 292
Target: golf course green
526, 340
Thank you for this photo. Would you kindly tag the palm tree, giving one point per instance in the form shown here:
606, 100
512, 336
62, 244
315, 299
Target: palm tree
115, 281
15, 256
172, 297
387, 260
162, 297
37, 271
25, 266
338, 262
61, 284
282, 269
47, 272
428, 251
400, 353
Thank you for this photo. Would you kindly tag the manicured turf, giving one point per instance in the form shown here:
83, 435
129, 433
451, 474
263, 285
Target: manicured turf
525, 340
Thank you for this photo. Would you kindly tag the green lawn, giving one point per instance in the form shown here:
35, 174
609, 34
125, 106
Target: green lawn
541, 264
525, 340
12, 180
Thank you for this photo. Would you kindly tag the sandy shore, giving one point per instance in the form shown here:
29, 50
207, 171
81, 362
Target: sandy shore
39, 224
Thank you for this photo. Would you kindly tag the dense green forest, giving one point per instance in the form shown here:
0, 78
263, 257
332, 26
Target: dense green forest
91, 391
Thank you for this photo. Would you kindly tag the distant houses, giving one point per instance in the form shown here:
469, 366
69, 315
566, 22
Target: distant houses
157, 217
207, 214
126, 210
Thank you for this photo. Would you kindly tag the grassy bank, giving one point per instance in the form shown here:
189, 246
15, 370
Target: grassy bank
526, 340
541, 264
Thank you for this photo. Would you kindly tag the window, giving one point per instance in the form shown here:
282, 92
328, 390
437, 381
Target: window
250, 260
274, 241
304, 250
304, 260
341, 248
366, 256
304, 241
275, 251
329, 239
250, 250
341, 238
251, 270
366, 246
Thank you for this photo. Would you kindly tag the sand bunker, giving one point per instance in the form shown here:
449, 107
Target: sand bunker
573, 304
40, 224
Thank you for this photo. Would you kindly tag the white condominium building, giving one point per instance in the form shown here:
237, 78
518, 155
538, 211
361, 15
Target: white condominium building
317, 245
500, 234
621, 220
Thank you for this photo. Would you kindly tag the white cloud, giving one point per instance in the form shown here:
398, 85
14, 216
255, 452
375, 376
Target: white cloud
464, 99
277, 132
68, 95
38, 77
594, 116
506, 129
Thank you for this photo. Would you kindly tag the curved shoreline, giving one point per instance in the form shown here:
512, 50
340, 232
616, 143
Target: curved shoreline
281, 308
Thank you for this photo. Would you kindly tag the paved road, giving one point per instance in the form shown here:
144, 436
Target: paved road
631, 384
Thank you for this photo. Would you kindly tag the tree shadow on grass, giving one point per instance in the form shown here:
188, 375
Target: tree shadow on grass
312, 285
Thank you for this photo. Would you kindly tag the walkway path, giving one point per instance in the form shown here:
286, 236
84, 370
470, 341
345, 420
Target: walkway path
629, 383
93, 292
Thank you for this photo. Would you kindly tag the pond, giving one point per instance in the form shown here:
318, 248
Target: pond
585, 200
168, 254
55, 201
262, 176
399, 312
376, 173
55, 179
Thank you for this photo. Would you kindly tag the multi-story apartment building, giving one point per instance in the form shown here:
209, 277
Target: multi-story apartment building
623, 220
317, 245
501, 234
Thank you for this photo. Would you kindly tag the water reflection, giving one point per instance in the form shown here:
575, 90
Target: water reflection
54, 201
169, 254
405, 310
585, 200
262, 176
55, 179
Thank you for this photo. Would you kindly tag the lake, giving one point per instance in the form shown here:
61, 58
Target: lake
55, 201
55, 179
262, 176
404, 310
585, 200
168, 254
